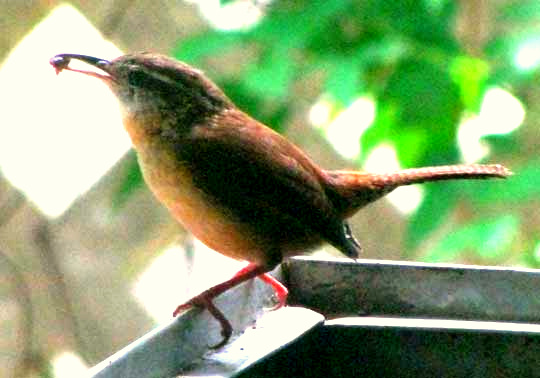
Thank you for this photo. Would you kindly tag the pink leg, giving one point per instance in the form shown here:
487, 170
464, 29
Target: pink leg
280, 289
205, 298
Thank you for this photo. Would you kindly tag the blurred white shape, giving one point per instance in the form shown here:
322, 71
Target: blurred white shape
67, 365
345, 130
320, 113
382, 159
176, 282
239, 14
166, 275
536, 252
58, 134
528, 55
472, 147
500, 113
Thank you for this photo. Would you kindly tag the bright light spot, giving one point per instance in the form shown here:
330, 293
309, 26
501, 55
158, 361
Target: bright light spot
406, 198
68, 365
472, 147
58, 134
345, 130
383, 159
500, 113
536, 253
528, 55
165, 278
171, 280
240, 14
320, 113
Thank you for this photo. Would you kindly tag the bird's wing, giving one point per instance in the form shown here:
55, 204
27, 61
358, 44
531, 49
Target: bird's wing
261, 179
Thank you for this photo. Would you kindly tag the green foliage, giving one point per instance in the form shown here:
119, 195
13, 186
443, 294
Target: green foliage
487, 239
272, 76
525, 184
470, 75
405, 54
520, 11
431, 213
130, 182
343, 81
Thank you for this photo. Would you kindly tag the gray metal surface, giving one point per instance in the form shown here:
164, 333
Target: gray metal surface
398, 347
395, 291
373, 287
171, 348
274, 331
182, 346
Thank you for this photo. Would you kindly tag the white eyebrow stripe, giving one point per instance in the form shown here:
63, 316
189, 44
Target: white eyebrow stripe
154, 74
161, 77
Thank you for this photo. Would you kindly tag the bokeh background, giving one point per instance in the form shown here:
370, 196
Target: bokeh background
89, 261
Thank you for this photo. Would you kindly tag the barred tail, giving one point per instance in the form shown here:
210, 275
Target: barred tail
443, 172
356, 189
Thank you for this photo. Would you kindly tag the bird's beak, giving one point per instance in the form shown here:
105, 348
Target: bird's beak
61, 62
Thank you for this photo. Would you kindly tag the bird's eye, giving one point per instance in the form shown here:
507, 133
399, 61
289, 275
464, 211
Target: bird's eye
136, 78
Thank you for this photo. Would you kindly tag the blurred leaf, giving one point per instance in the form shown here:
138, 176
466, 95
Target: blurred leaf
425, 95
198, 47
380, 130
418, 20
488, 239
411, 146
503, 51
439, 199
272, 114
271, 76
523, 186
344, 82
503, 144
129, 183
420, 109
291, 25
492, 238
382, 50
521, 11
470, 74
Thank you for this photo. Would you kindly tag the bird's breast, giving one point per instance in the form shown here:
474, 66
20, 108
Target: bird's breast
172, 183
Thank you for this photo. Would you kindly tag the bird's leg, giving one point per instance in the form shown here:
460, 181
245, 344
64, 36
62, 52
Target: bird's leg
279, 289
205, 299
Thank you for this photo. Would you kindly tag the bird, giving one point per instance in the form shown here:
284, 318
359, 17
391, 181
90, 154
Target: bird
241, 188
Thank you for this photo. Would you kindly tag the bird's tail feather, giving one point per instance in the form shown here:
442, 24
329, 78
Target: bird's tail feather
360, 188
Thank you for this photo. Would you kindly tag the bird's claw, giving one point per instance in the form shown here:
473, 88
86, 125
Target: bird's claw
206, 303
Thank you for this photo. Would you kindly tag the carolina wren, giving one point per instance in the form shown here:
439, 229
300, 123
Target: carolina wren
238, 186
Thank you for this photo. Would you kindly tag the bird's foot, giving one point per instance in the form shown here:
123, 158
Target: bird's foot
204, 300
